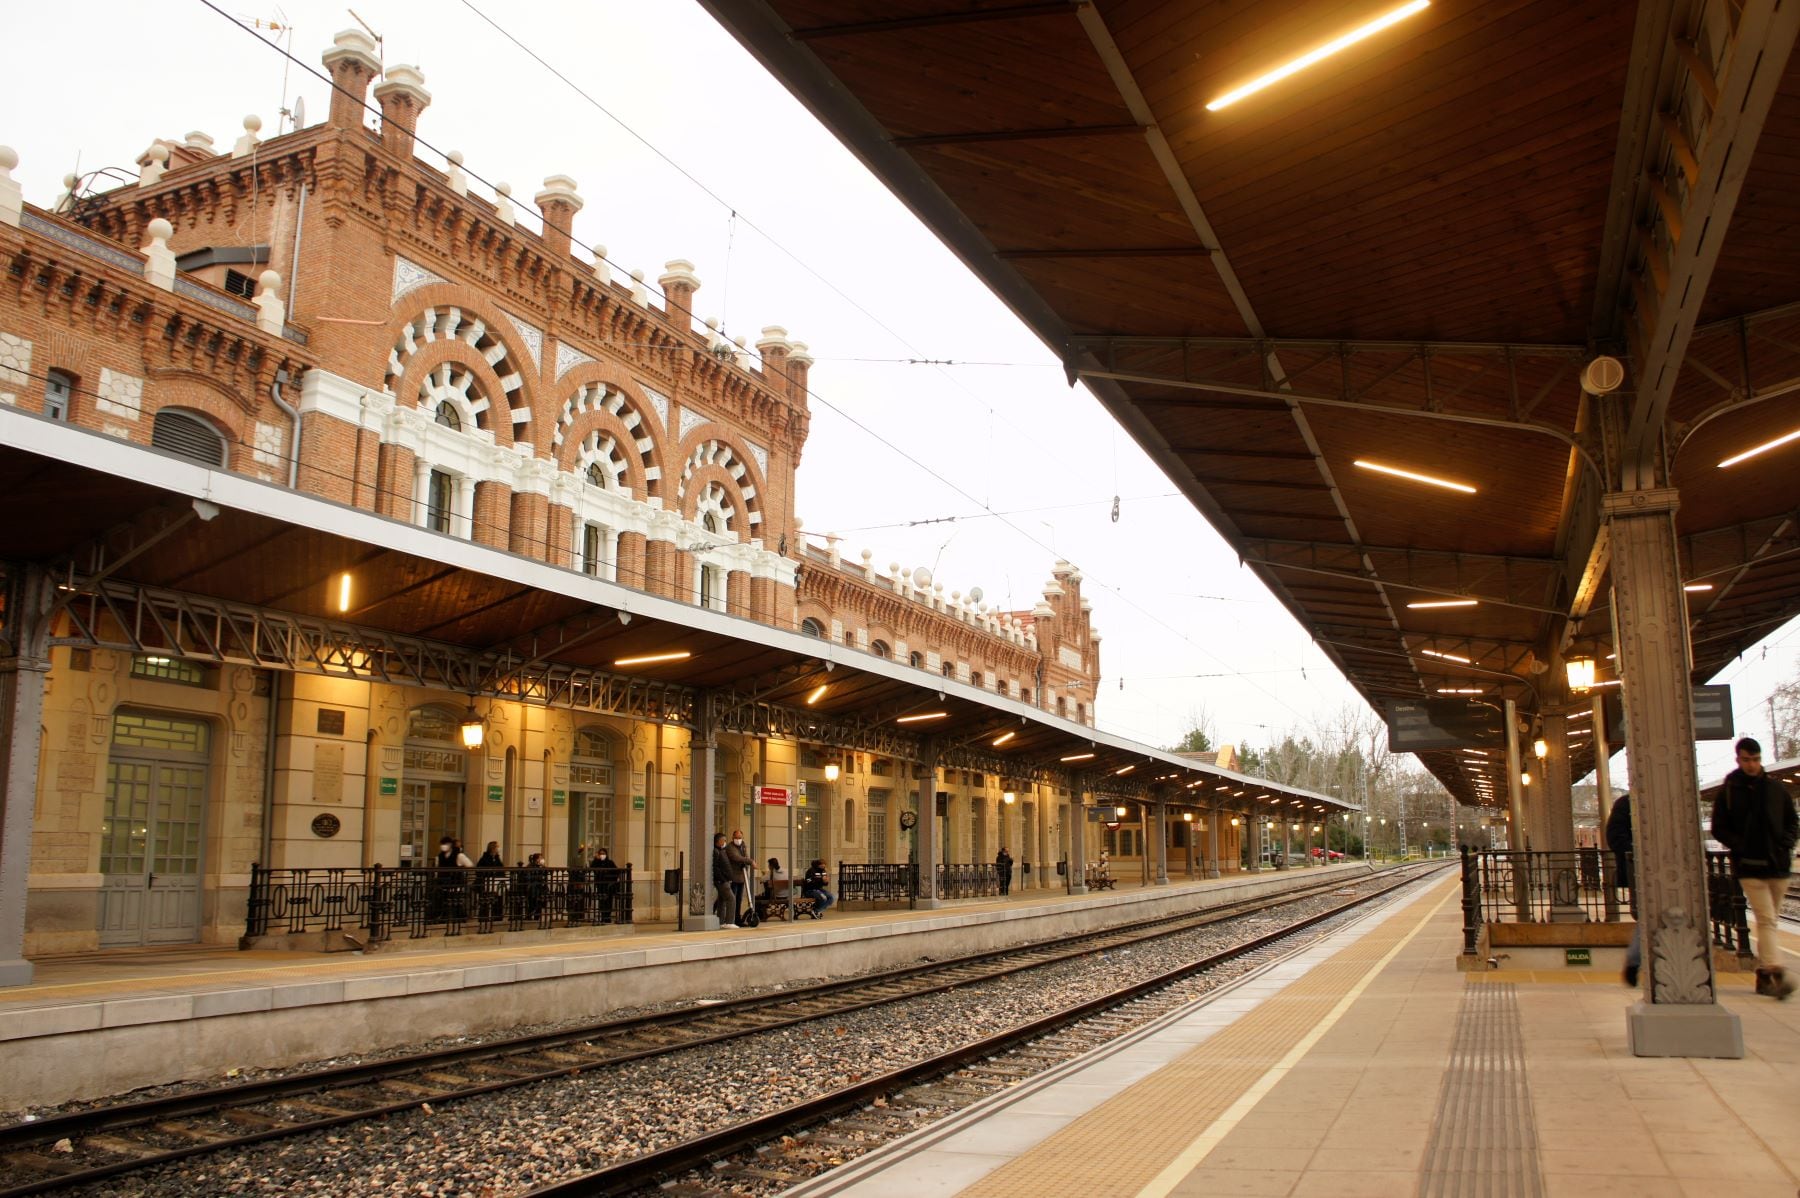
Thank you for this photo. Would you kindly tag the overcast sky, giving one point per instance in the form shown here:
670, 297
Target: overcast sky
794, 233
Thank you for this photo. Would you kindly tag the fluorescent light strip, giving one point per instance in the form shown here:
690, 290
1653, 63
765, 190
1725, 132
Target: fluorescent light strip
1415, 477
1763, 448
1002, 739
818, 693
1318, 55
1446, 656
653, 658
914, 719
1459, 690
1124, 770
1693, 587
1077, 757
1444, 603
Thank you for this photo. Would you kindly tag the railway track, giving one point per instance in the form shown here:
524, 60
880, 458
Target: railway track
109, 1141
764, 1155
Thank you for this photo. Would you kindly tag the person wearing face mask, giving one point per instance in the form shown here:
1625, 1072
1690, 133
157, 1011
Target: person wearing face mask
721, 879
738, 857
606, 883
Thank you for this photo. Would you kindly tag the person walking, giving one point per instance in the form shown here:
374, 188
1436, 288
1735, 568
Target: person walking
1619, 840
723, 903
1003, 866
1755, 818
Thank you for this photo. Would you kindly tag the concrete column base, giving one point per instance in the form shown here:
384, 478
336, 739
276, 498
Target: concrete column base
1161, 882
1078, 888
1568, 915
701, 923
927, 904
1212, 871
15, 973
1683, 1030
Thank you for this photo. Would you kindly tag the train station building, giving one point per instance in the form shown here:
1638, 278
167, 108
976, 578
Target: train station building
410, 521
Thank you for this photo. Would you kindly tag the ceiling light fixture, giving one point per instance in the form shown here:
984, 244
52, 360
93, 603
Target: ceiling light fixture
1459, 690
1320, 53
1002, 739
649, 659
832, 770
1077, 757
1697, 586
1446, 656
343, 596
818, 693
1581, 673
1124, 769
1414, 476
1444, 603
921, 717
1763, 448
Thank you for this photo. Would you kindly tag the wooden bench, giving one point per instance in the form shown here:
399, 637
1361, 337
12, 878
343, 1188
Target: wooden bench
770, 906
1099, 881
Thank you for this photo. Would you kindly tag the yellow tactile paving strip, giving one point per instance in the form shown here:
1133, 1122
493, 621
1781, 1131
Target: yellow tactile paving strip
1122, 1145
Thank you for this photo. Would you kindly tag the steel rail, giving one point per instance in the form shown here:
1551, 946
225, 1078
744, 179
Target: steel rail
23, 1144
655, 1168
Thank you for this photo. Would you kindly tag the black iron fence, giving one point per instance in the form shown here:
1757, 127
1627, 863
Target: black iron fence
877, 883
968, 881
1581, 886
383, 902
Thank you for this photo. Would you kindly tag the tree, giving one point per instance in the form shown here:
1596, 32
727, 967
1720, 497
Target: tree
1198, 738
1784, 705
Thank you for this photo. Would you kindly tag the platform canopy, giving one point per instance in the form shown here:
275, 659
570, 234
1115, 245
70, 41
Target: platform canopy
148, 553
1409, 254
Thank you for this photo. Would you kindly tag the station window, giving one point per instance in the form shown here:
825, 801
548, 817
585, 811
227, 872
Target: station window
167, 669
439, 492
596, 550
916, 661
186, 435
712, 588
446, 416
880, 649
811, 627
949, 669
59, 393
975, 679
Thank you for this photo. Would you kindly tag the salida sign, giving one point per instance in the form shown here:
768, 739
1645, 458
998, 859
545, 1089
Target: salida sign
774, 796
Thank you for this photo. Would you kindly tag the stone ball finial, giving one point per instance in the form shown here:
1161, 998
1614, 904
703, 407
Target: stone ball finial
69, 181
158, 152
455, 157
252, 124
9, 158
504, 189
160, 229
270, 280
868, 555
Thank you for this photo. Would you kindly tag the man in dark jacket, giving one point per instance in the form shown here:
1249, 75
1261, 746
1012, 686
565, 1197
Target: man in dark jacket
1754, 817
1619, 840
724, 903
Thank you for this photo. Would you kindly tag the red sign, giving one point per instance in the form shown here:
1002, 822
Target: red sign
774, 796
1112, 824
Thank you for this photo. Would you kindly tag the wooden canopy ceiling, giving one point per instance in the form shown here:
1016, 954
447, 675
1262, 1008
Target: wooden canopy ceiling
1404, 255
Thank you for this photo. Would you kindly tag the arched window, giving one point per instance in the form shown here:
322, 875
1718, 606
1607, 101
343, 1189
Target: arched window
975, 679
59, 394
596, 477
1000, 686
1025, 694
881, 649
1062, 706
949, 669
187, 435
710, 522
446, 416
811, 627
916, 660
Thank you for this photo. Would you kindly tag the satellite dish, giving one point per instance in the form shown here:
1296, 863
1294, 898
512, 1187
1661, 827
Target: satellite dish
921, 577
300, 112
975, 595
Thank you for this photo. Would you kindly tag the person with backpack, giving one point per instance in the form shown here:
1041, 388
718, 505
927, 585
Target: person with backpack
1754, 817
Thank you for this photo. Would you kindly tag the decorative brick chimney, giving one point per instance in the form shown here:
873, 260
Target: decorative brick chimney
352, 63
799, 362
774, 346
403, 100
558, 203
678, 283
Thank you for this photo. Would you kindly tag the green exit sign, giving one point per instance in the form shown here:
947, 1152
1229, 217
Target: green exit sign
1578, 956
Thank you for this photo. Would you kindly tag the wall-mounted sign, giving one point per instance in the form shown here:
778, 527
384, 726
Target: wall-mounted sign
774, 796
1578, 956
389, 786
687, 805
331, 722
496, 794
559, 798
637, 802
1712, 716
326, 825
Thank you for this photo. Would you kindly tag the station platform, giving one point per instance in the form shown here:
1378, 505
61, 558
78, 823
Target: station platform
1369, 1065
98, 1024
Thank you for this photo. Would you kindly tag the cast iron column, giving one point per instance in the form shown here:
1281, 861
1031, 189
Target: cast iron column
1213, 816
1650, 631
24, 665
701, 747
1078, 804
928, 829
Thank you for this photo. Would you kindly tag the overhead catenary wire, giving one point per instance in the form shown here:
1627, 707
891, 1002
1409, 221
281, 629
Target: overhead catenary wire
813, 394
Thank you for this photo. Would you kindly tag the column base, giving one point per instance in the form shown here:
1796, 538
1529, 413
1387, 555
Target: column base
1212, 873
1683, 1030
1078, 888
927, 904
701, 923
1160, 882
1568, 915
16, 973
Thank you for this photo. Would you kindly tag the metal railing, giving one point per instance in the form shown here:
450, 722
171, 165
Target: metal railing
384, 902
968, 881
1581, 886
877, 883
